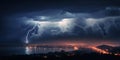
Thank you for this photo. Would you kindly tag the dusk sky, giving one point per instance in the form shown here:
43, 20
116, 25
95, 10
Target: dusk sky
64, 20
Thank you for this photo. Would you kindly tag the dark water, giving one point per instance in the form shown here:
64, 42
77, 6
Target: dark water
31, 50
12, 51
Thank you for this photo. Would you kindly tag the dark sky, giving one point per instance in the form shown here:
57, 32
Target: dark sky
12, 29
15, 6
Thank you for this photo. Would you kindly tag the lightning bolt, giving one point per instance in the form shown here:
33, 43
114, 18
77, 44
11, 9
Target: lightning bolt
27, 35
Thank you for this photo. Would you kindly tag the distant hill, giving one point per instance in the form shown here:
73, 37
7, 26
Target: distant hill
104, 47
110, 48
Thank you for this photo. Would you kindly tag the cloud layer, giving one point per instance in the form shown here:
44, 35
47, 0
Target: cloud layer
58, 23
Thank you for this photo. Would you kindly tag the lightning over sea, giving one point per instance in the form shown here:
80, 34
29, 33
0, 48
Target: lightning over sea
60, 30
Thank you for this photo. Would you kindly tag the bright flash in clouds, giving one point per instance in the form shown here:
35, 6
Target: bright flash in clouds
43, 17
65, 25
91, 21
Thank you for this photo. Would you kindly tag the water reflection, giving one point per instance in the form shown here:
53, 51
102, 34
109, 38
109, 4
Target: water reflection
41, 49
27, 50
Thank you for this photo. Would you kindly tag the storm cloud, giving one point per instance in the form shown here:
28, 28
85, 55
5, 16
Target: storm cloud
60, 23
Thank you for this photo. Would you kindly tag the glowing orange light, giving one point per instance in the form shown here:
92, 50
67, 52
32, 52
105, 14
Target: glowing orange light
75, 48
100, 50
